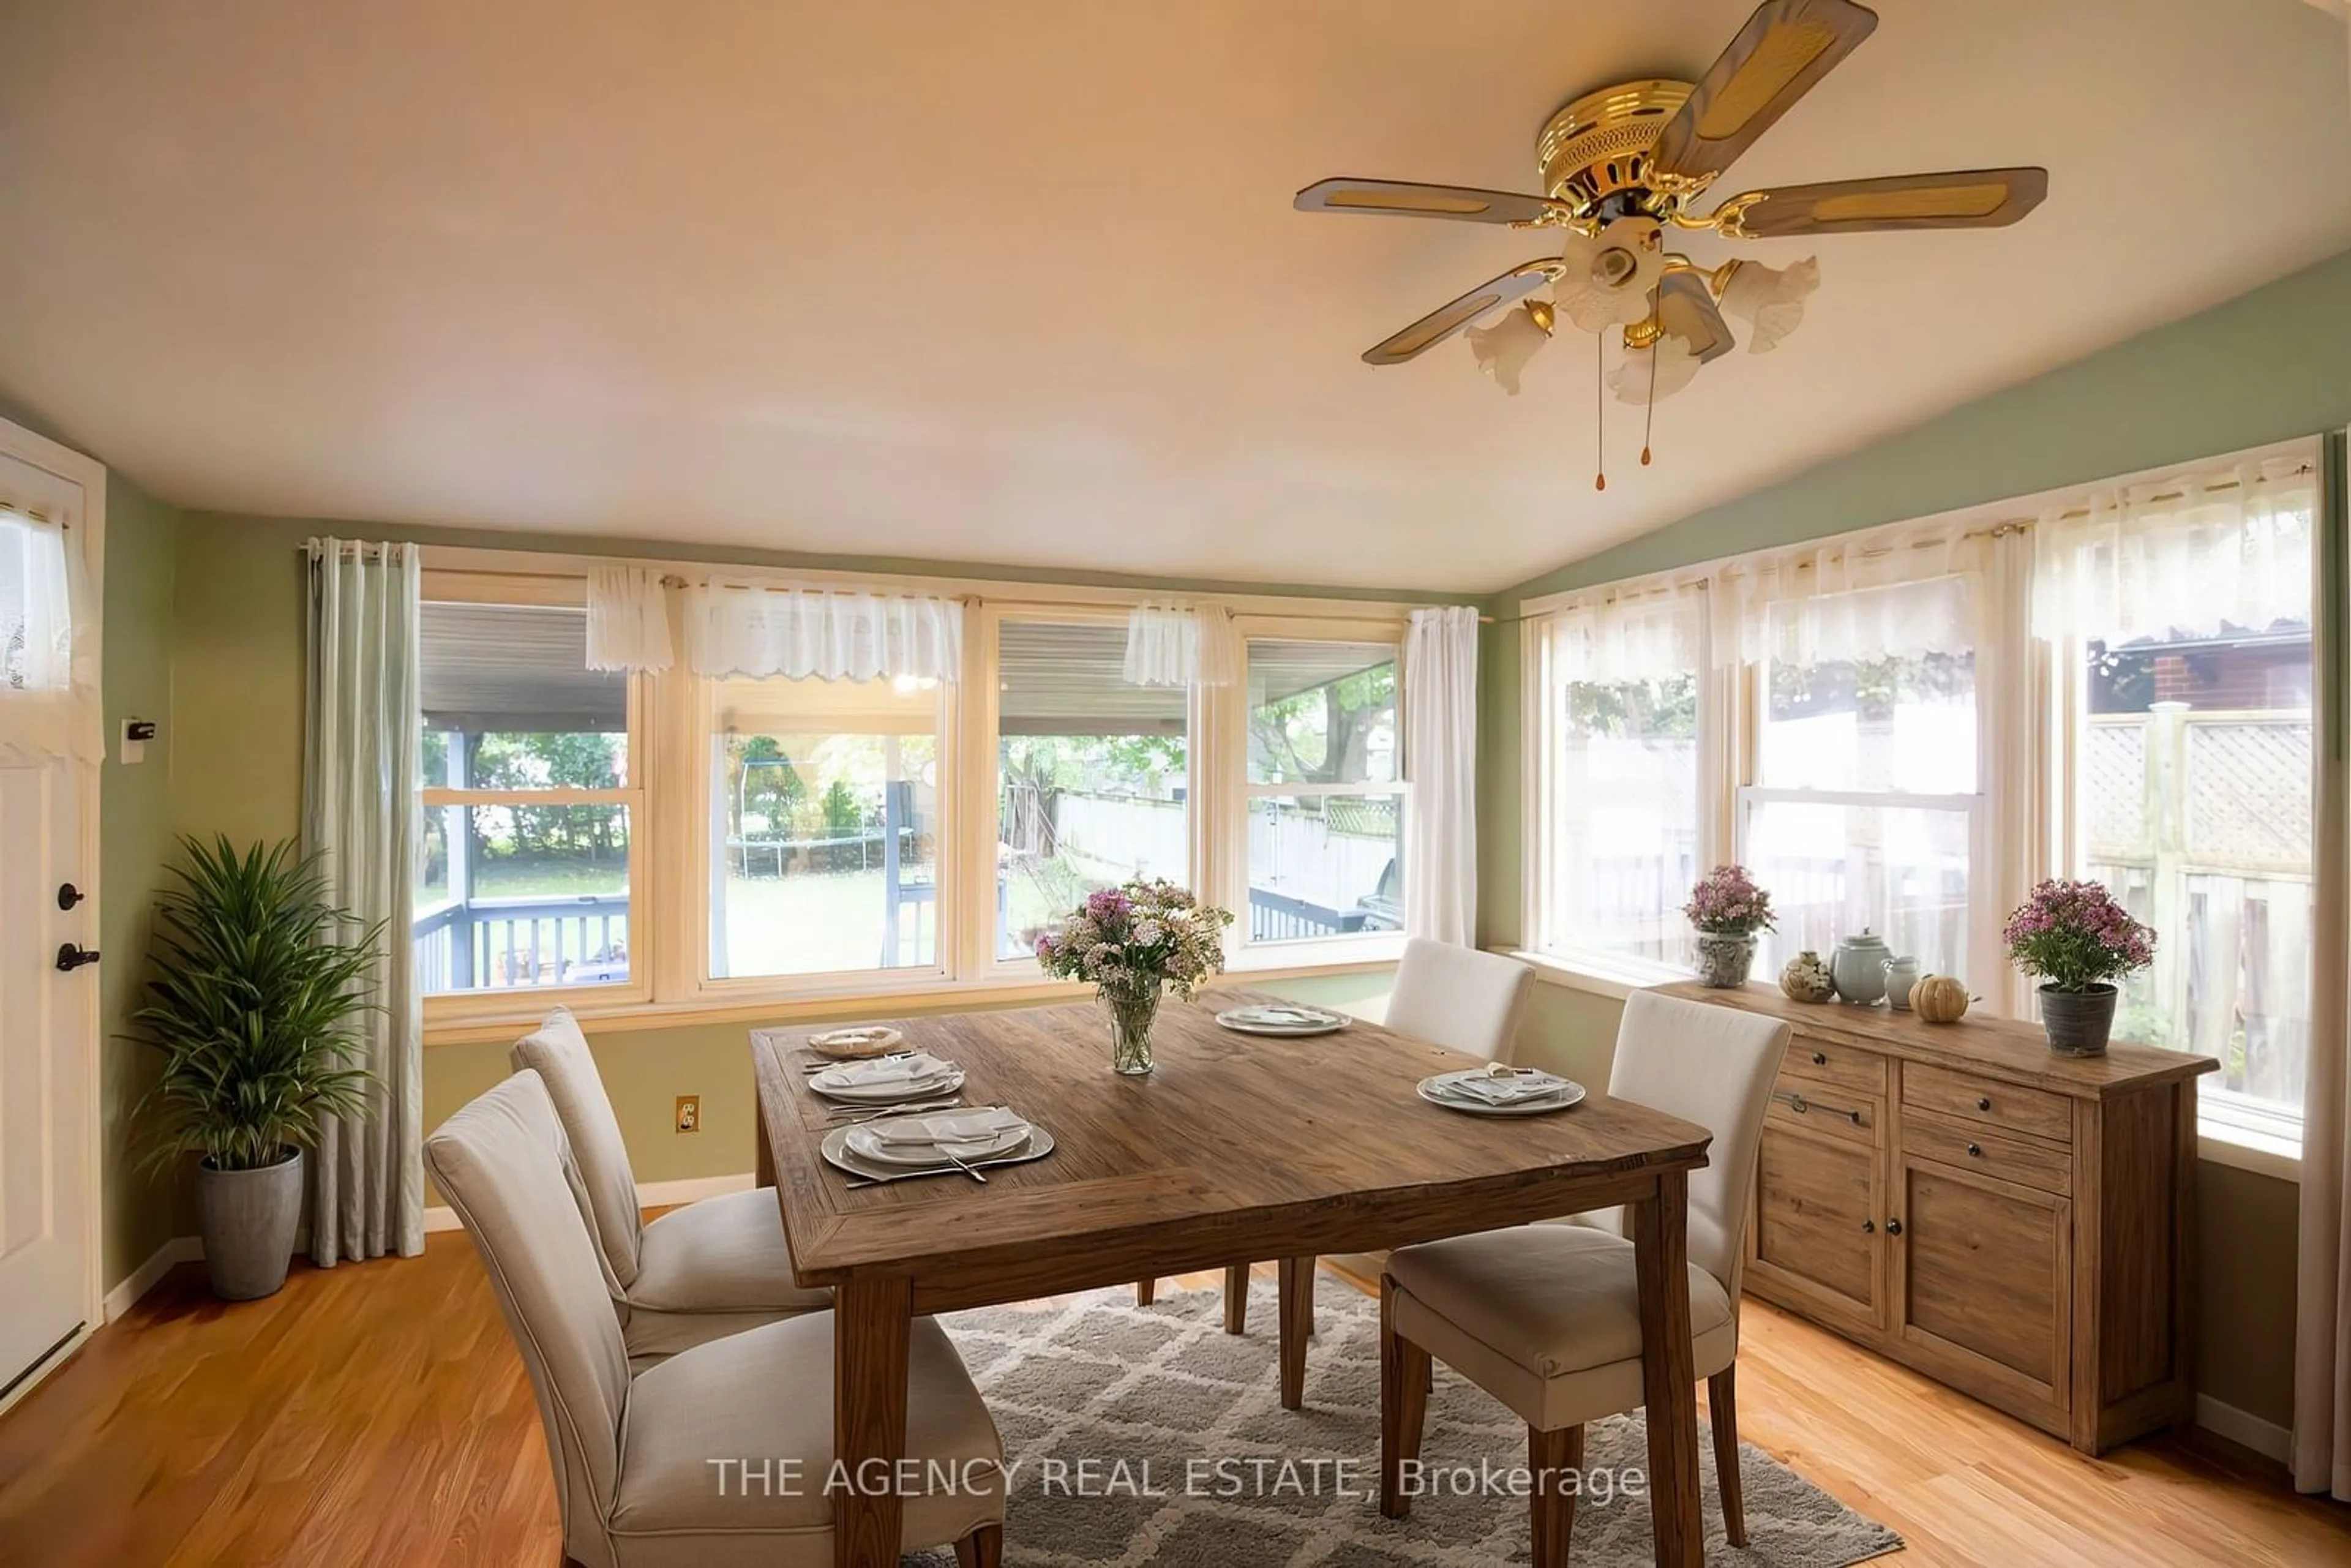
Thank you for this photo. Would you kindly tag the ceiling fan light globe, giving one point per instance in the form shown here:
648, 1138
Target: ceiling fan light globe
1504, 349
1770, 299
1676, 368
1605, 279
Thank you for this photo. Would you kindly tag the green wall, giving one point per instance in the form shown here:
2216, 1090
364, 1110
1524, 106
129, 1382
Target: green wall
134, 830
2271, 365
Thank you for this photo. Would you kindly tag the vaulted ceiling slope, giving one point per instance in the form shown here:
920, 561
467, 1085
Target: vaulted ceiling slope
1022, 282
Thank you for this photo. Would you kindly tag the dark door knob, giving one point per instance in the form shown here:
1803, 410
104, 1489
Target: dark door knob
1892, 1227
1869, 1225
1820, 1059
1984, 1103
70, 958
68, 896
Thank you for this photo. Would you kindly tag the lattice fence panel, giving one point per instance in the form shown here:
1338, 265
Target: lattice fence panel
2114, 789
2248, 791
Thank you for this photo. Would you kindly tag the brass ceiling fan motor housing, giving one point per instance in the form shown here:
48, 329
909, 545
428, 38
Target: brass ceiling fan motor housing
1599, 144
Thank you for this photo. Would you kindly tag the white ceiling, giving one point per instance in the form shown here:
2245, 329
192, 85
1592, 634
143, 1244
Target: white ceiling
1020, 283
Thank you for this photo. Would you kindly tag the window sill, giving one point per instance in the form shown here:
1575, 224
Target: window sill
2227, 1136
1600, 973
894, 1002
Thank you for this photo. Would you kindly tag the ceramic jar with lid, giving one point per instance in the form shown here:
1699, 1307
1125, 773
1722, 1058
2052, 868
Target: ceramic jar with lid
1901, 973
1859, 966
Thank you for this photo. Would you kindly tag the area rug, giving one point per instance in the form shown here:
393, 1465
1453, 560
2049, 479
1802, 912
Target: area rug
1148, 1436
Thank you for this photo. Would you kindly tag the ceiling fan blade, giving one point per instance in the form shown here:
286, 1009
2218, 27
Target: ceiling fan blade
1685, 309
1785, 47
1955, 199
1447, 319
1403, 199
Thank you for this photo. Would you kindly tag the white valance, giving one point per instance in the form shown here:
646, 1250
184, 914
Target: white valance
2181, 557
628, 619
1177, 645
1898, 596
826, 634
48, 676
1642, 634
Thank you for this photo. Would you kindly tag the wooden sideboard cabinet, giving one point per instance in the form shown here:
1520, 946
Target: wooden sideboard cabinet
2016, 1224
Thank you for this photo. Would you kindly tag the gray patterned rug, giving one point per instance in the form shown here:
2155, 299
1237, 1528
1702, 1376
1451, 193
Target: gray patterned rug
1148, 1436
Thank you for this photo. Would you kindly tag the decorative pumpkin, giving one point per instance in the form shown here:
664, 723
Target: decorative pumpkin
1806, 978
1939, 999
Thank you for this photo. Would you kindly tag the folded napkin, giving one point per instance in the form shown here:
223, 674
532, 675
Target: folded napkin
1507, 1091
914, 1068
1285, 1015
955, 1133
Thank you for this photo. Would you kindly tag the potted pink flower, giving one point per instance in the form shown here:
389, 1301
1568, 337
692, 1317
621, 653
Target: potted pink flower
2080, 941
1726, 910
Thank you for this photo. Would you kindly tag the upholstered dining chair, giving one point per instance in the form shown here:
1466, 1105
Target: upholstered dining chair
1546, 1318
697, 1274
1459, 997
633, 1456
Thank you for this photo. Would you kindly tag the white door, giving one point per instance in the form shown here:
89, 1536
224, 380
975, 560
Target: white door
49, 1014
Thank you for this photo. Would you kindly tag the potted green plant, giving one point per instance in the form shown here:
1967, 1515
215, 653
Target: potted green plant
254, 1007
2080, 941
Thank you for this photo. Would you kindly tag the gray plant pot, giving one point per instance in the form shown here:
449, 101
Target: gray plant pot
248, 1219
2078, 1021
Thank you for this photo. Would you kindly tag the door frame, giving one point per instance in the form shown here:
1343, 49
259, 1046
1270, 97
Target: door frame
39, 451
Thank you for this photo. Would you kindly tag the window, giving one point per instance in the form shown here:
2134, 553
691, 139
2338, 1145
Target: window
1326, 803
1622, 832
1917, 723
2188, 690
1862, 813
529, 804
1094, 776
824, 812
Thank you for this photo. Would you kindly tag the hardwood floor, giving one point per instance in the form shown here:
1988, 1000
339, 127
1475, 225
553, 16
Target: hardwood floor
377, 1413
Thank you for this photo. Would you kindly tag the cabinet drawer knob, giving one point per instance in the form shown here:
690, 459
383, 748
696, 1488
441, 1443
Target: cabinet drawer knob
1892, 1227
1855, 1116
1869, 1225
1976, 1149
1820, 1059
1983, 1102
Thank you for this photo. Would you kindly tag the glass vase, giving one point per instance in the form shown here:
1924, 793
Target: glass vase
1130, 1011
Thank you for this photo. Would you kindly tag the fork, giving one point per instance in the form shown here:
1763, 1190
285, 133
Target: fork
869, 1112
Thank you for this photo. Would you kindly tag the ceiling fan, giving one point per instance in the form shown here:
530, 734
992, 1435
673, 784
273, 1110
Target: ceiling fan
1623, 165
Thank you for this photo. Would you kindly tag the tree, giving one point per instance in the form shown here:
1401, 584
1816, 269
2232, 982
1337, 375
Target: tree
1324, 735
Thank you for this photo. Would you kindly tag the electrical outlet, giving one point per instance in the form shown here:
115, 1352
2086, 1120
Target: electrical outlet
689, 1112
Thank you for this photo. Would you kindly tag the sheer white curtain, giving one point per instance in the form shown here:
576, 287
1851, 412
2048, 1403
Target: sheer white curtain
2189, 555
746, 628
1440, 754
627, 619
1895, 596
1637, 634
360, 814
49, 674
1177, 645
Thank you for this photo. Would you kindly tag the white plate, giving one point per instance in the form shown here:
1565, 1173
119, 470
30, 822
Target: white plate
891, 1092
1283, 1021
837, 1155
1434, 1091
865, 1143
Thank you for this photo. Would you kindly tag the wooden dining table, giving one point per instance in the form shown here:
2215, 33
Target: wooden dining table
1236, 1148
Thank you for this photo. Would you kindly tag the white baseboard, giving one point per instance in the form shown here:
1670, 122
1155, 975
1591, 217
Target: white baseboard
2265, 1438
649, 1195
125, 1295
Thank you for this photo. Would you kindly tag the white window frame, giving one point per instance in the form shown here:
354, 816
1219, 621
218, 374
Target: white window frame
457, 1008
1242, 952
1719, 726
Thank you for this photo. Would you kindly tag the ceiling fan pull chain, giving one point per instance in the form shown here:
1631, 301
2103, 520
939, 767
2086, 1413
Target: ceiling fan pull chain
1599, 415
1650, 413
